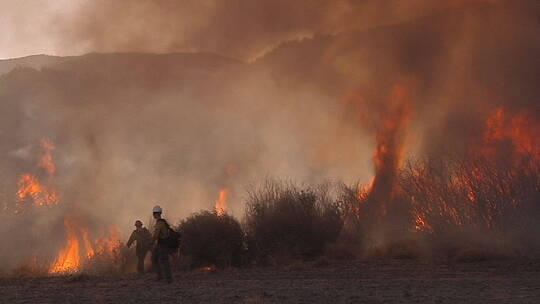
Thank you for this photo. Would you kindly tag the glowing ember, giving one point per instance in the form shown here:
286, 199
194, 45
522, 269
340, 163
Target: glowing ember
210, 268
221, 203
421, 224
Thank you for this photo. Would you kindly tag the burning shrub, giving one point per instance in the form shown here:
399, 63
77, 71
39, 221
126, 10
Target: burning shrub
212, 239
465, 204
286, 220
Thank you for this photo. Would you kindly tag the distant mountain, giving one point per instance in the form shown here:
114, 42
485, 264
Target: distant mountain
34, 61
107, 63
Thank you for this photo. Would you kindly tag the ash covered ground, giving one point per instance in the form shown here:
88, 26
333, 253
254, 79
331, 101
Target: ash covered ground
389, 281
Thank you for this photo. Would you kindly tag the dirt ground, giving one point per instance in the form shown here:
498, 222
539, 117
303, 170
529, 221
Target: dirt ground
395, 281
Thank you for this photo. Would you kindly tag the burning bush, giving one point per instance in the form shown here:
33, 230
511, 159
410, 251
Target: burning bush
283, 219
212, 239
477, 201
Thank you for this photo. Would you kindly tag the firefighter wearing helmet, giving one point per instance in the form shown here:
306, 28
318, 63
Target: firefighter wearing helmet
143, 238
160, 250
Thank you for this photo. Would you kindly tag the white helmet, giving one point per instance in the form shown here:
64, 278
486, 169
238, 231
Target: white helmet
156, 208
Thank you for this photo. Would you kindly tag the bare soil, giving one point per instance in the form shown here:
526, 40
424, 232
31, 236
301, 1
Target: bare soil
390, 281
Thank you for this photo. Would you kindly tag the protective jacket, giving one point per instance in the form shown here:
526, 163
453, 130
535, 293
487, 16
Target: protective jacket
143, 238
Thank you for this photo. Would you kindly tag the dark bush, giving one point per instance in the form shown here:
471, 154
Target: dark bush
211, 239
283, 219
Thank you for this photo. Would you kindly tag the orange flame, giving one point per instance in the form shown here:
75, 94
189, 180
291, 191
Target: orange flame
221, 203
68, 259
390, 137
501, 126
390, 148
107, 245
509, 136
421, 224
29, 185
87, 244
71, 257
46, 161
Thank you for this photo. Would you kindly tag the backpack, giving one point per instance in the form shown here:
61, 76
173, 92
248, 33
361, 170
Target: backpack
173, 240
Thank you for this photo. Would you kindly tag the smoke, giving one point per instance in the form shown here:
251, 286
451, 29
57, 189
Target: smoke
305, 98
240, 29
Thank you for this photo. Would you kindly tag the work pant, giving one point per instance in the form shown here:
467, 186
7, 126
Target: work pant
160, 260
141, 255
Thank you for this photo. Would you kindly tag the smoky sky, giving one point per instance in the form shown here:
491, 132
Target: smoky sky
241, 29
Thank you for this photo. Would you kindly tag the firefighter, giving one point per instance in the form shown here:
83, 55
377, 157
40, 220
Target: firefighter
142, 236
160, 251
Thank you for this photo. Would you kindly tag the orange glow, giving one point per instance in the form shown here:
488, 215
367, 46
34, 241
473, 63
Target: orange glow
87, 245
470, 196
29, 186
221, 203
390, 136
208, 268
73, 256
364, 190
80, 246
421, 224
108, 244
68, 259
507, 136
46, 161
390, 148
524, 134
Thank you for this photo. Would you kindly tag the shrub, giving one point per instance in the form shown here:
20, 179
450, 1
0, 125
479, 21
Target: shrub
477, 203
211, 239
284, 219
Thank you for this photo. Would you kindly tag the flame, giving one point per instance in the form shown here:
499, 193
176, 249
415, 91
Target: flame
46, 161
390, 148
79, 247
30, 186
68, 259
72, 257
508, 136
421, 224
390, 137
363, 191
87, 244
108, 245
516, 128
221, 203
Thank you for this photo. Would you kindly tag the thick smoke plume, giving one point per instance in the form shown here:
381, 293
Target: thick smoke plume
307, 91
240, 29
